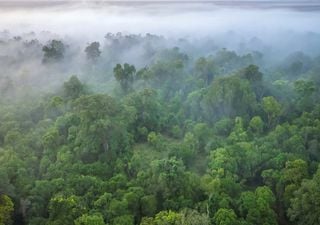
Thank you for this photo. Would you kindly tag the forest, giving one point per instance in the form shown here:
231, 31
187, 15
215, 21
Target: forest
141, 129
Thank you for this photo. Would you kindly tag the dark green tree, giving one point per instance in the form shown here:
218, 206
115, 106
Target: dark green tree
73, 88
124, 75
304, 208
93, 51
53, 51
6, 210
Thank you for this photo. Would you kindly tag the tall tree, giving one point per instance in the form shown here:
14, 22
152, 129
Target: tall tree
305, 208
93, 51
125, 75
6, 210
272, 108
53, 51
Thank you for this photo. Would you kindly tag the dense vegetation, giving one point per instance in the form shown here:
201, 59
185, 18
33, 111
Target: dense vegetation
177, 139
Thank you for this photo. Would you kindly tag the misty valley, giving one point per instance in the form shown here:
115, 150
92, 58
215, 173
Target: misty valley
159, 113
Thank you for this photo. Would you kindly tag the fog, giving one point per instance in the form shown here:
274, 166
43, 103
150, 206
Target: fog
275, 29
92, 20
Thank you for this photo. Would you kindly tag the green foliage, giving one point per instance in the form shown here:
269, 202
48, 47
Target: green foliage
206, 69
238, 134
305, 90
89, 220
230, 96
54, 51
73, 88
256, 207
64, 210
223, 126
6, 210
169, 177
256, 125
125, 220
167, 218
304, 208
252, 74
185, 217
125, 75
190, 140
272, 108
295, 171
225, 217
92, 51
193, 217
147, 112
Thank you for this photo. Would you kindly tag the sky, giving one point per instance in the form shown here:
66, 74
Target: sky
92, 21
303, 1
